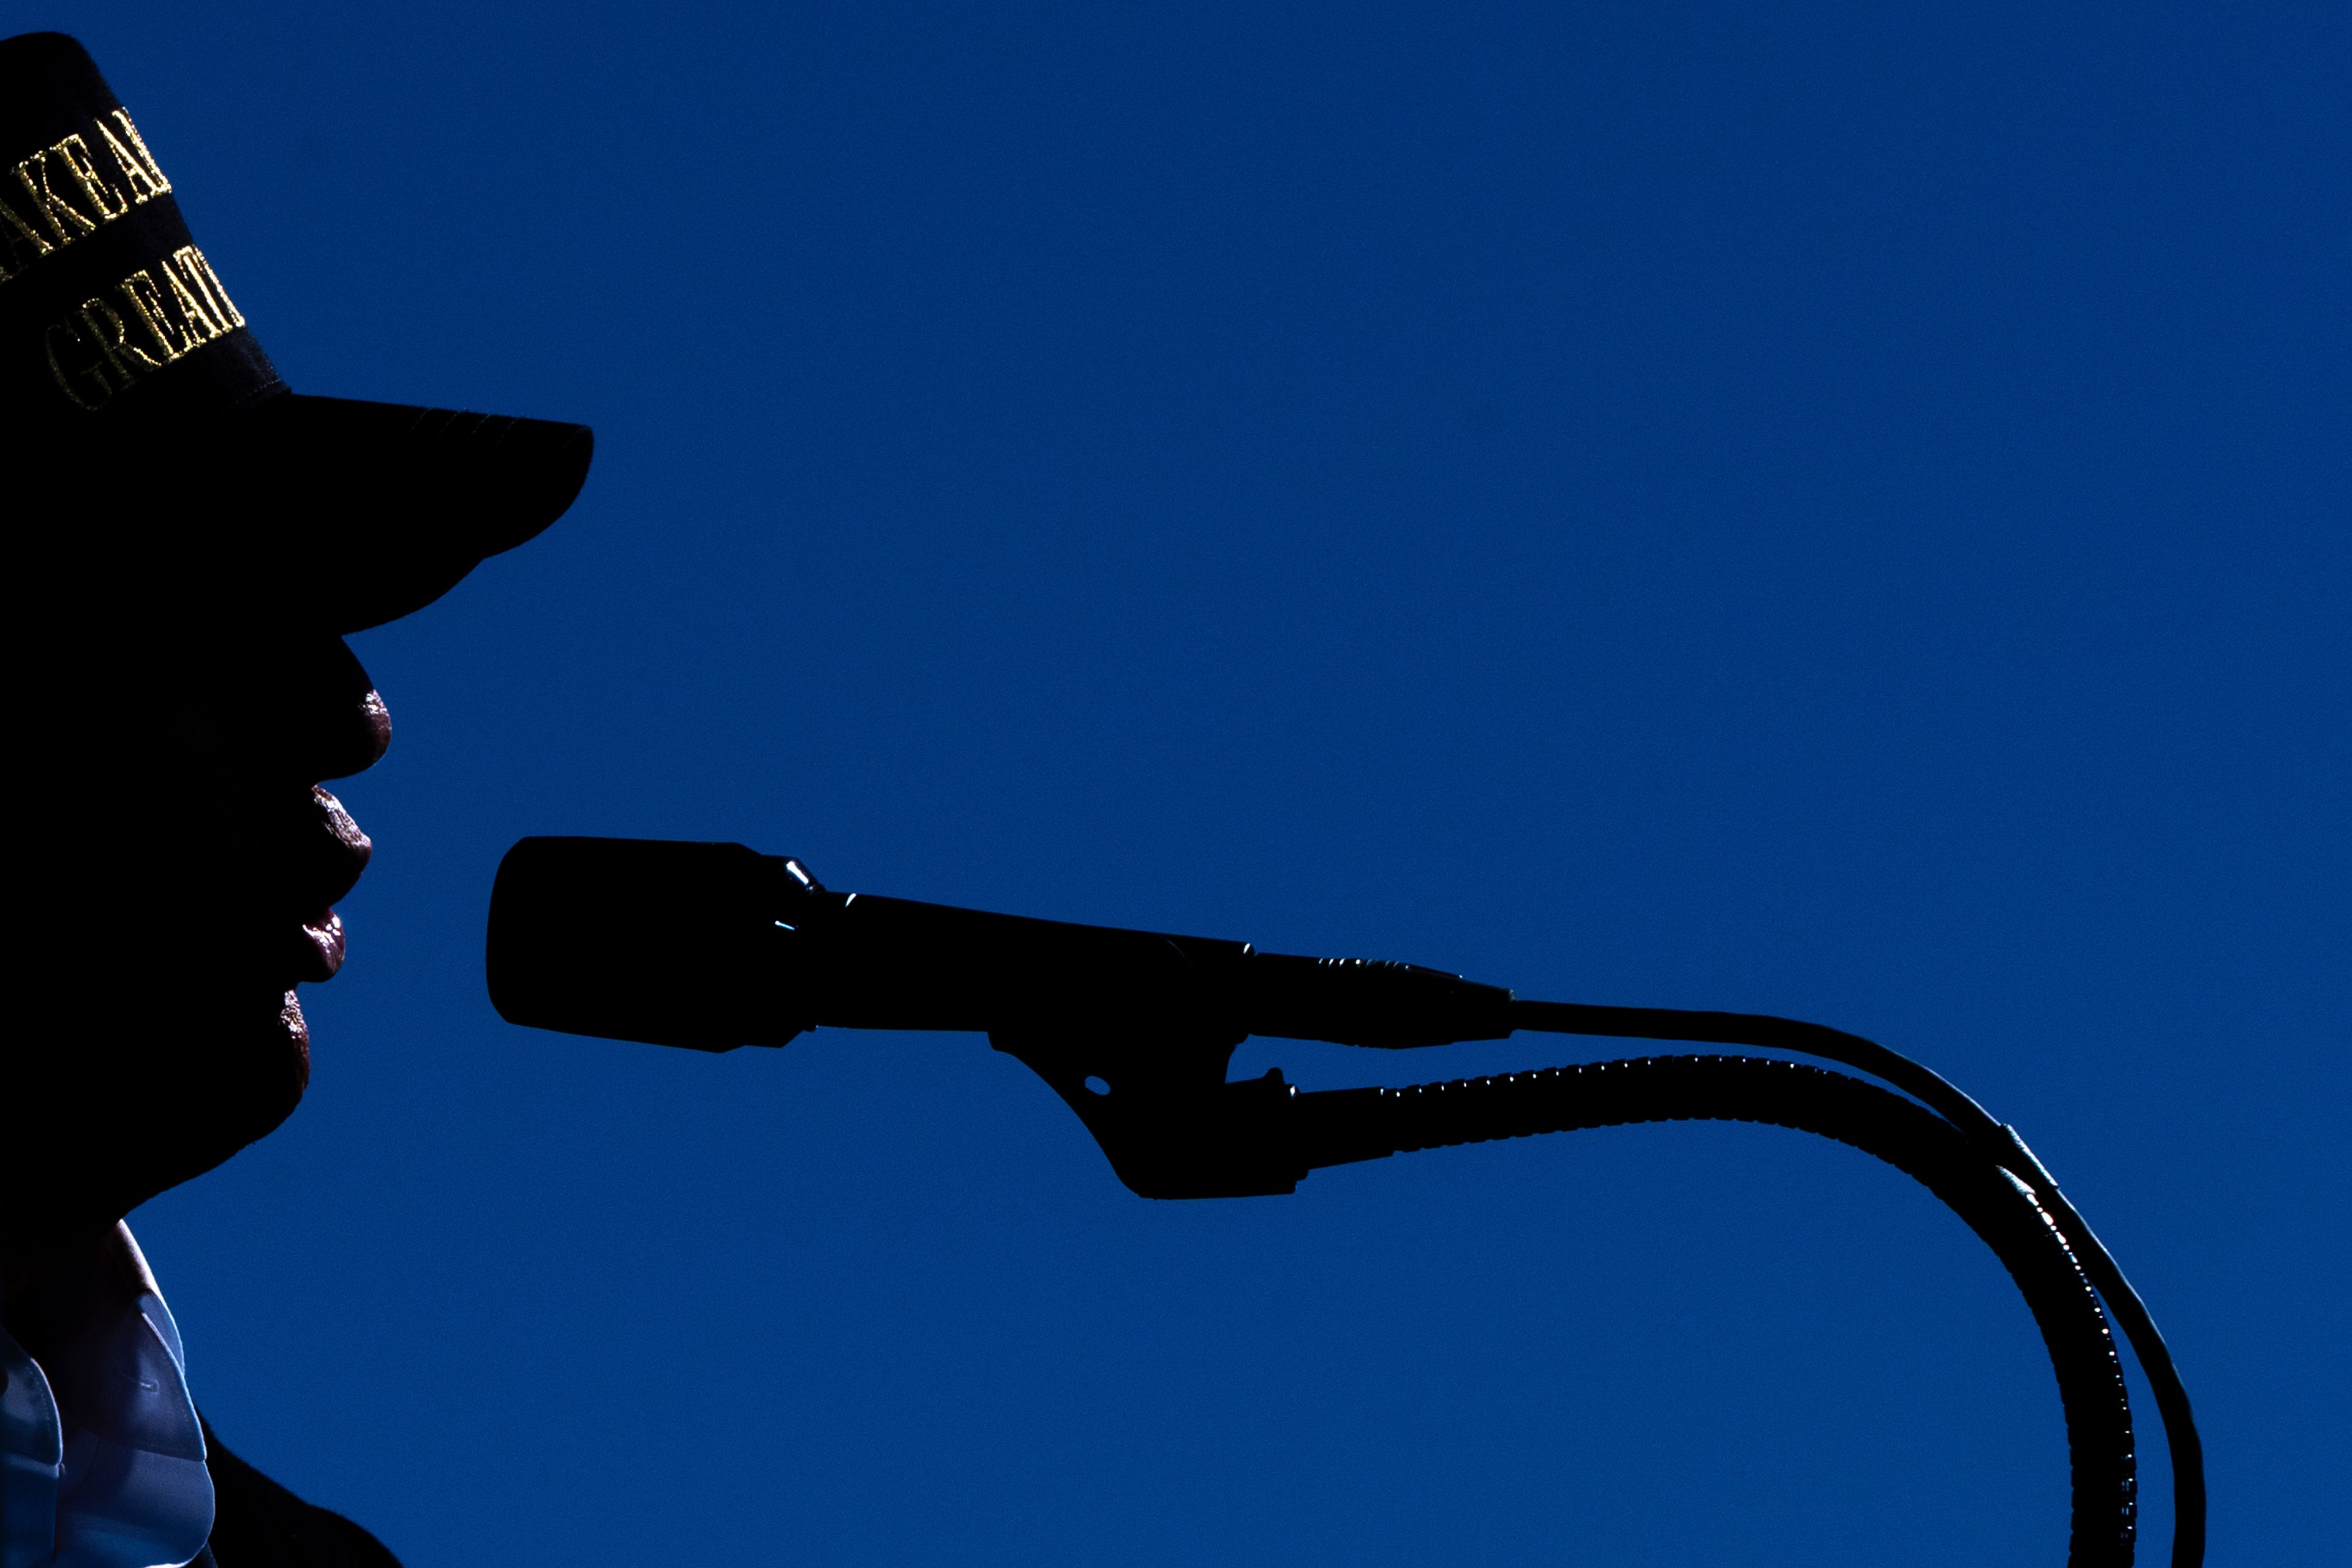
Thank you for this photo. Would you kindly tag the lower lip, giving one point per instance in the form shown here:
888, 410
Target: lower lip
322, 936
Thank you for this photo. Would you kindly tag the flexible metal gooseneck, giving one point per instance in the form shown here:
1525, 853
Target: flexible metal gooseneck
1172, 1127
2006, 1214
1994, 1142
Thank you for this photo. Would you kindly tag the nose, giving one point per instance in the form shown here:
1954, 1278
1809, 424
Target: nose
305, 710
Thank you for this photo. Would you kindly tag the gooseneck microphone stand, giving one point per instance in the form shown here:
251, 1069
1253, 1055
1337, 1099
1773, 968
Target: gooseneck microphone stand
1264, 1135
712, 946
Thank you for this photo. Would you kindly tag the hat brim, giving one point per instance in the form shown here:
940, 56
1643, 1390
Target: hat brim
362, 512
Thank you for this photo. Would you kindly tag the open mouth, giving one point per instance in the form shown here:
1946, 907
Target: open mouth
323, 858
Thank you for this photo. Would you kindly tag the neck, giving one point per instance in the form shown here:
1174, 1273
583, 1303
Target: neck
45, 1275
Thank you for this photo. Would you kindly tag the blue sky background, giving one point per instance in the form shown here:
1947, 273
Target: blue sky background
1831, 511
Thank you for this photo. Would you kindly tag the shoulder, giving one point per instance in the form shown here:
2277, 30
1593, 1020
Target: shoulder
257, 1523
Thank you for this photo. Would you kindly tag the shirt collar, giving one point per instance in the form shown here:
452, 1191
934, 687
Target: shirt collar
101, 1456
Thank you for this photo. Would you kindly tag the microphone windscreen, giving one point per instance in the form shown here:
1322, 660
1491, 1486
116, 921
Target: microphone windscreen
674, 943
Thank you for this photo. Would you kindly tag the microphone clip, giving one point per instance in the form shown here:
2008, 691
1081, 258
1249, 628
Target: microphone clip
1158, 1103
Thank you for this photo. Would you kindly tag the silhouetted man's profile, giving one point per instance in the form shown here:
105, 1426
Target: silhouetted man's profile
188, 541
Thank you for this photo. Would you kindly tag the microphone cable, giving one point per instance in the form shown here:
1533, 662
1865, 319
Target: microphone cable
1939, 1136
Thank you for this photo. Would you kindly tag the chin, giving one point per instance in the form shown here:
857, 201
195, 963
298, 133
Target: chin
227, 1076
140, 1092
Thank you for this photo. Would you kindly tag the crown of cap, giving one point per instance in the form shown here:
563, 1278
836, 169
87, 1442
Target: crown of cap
122, 353
111, 318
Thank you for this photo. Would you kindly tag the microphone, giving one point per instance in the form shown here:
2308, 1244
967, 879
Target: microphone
712, 946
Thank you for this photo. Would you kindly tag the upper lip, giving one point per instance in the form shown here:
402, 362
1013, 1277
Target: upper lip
320, 853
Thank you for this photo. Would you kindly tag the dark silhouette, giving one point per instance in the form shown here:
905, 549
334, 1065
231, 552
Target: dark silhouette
191, 541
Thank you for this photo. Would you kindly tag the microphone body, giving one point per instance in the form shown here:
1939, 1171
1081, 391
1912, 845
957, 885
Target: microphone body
713, 946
